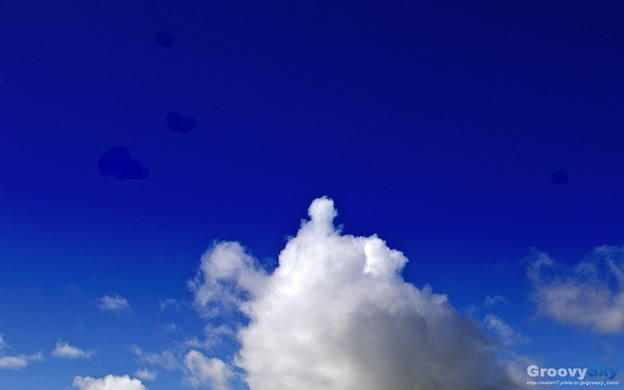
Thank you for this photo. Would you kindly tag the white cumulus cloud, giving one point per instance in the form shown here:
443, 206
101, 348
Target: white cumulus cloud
109, 382
115, 304
66, 351
590, 294
211, 372
336, 314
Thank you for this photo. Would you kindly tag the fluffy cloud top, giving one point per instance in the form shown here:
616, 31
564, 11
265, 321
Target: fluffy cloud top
66, 351
109, 382
115, 304
590, 295
336, 314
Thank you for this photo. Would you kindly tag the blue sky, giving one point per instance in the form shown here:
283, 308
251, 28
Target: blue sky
136, 137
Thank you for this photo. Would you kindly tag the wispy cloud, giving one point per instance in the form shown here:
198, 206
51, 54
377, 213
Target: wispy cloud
115, 304
15, 362
18, 361
168, 304
203, 371
213, 336
590, 294
171, 328
165, 359
145, 374
109, 382
503, 332
227, 274
337, 314
493, 300
66, 351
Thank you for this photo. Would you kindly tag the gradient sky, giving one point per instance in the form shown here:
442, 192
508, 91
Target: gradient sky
472, 136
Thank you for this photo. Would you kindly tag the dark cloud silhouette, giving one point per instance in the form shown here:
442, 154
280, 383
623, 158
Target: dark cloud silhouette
116, 161
164, 39
177, 123
559, 177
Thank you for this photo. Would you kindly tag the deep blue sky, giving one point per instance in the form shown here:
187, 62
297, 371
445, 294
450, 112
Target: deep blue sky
435, 124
